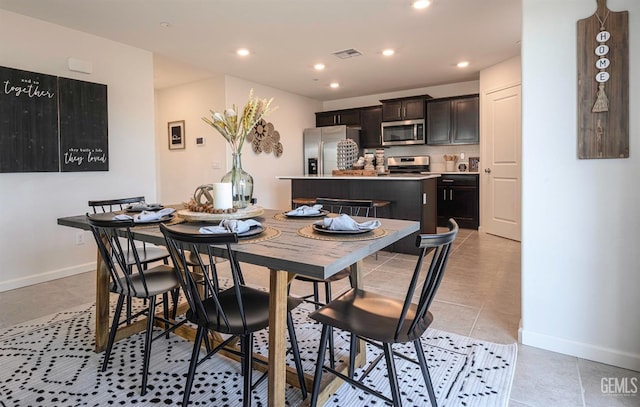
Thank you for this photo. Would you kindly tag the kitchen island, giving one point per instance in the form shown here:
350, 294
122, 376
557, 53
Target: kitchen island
411, 197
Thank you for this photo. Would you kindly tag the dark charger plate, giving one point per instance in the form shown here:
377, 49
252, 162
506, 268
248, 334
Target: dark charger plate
322, 213
318, 227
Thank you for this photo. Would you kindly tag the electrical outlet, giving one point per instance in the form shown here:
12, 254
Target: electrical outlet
80, 238
215, 165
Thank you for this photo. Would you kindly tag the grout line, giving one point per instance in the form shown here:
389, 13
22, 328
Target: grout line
582, 389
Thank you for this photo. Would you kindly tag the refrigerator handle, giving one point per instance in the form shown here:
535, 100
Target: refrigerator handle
321, 158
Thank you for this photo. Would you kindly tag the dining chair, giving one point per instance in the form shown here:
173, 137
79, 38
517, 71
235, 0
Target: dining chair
382, 321
148, 253
238, 311
115, 244
353, 206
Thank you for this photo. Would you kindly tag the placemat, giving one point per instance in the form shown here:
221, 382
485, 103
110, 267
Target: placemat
308, 231
268, 234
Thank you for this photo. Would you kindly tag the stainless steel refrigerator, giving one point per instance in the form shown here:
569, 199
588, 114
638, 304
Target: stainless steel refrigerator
321, 147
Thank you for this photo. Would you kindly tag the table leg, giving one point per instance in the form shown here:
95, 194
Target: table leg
357, 282
102, 305
277, 337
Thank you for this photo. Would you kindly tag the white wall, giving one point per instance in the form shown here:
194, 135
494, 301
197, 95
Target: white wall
33, 247
580, 244
181, 171
440, 91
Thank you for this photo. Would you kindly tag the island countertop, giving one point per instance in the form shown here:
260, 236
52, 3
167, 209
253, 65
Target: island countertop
390, 177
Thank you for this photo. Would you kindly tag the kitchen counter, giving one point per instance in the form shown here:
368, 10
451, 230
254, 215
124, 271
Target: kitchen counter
389, 177
410, 196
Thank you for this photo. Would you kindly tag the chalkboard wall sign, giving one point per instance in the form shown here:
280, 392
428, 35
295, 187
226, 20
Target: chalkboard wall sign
28, 121
50, 124
83, 126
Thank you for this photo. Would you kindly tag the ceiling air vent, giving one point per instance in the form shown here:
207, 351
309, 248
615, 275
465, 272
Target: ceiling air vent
347, 53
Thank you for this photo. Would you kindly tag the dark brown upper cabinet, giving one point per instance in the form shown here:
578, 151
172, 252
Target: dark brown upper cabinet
403, 109
349, 117
371, 124
453, 120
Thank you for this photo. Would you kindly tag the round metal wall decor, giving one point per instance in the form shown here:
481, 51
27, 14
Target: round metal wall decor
265, 138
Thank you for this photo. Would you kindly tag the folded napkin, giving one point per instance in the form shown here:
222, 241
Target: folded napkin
146, 216
231, 225
345, 222
305, 210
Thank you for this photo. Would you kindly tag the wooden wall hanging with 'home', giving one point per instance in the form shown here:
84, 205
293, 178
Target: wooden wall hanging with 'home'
51, 124
603, 84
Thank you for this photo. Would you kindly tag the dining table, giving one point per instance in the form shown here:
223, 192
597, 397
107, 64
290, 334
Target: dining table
287, 246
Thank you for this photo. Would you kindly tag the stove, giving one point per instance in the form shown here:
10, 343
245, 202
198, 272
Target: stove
408, 164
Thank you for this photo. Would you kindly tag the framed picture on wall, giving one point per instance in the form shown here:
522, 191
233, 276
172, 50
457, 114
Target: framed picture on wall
176, 135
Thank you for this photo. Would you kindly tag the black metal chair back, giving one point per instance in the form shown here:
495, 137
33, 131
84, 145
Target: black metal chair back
109, 236
354, 205
112, 205
437, 246
187, 248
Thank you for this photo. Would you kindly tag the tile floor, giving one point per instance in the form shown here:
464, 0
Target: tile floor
479, 297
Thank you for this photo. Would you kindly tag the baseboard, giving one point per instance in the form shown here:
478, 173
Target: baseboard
599, 354
46, 276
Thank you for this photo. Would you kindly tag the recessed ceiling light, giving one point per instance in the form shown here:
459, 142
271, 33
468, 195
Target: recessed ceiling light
243, 52
420, 4
318, 67
334, 85
388, 52
165, 24
463, 64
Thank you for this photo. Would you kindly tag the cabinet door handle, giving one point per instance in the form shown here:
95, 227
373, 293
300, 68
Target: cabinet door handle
444, 194
451, 194
447, 180
339, 119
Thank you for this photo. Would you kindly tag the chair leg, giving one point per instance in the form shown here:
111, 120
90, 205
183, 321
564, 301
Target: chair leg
422, 361
316, 298
247, 361
192, 365
319, 364
353, 345
175, 297
147, 344
393, 377
296, 355
332, 352
112, 332
165, 312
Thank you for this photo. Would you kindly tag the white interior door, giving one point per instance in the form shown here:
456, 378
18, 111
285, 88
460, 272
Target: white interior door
501, 186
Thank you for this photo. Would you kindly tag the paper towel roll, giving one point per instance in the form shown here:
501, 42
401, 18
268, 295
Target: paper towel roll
222, 196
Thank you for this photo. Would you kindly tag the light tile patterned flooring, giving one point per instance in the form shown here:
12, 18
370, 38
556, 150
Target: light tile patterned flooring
479, 297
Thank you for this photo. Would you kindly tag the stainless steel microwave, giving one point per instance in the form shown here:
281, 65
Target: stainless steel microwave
403, 132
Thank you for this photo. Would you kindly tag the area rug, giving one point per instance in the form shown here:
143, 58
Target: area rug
50, 362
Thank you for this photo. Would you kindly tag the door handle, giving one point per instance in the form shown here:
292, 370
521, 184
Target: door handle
487, 170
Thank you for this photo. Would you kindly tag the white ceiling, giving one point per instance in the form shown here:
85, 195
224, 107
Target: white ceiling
286, 37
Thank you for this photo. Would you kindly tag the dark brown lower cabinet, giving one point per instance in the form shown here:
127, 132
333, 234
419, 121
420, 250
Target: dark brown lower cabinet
459, 198
409, 200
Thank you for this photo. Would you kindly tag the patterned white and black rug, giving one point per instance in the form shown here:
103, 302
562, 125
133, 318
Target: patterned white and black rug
50, 362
